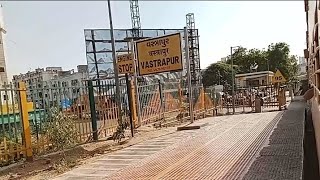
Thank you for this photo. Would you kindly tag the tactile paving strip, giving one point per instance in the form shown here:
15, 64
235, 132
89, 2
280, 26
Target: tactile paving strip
207, 156
109, 164
238, 169
283, 158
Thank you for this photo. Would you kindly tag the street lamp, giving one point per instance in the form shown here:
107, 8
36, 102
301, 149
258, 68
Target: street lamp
268, 70
233, 100
115, 64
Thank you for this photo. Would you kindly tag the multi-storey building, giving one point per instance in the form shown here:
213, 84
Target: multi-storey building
302, 66
223, 60
52, 85
35, 79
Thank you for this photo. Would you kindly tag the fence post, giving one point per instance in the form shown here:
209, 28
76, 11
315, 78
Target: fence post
93, 111
161, 101
130, 104
243, 101
25, 120
137, 100
202, 95
133, 104
180, 97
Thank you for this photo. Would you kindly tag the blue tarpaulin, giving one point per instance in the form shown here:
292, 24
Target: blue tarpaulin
65, 103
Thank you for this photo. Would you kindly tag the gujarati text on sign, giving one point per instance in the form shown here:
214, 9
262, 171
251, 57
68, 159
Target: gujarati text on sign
161, 54
125, 63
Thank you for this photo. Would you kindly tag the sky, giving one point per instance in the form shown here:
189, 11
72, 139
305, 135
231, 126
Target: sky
50, 33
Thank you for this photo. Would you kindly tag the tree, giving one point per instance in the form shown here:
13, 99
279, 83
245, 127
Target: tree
247, 59
217, 73
277, 56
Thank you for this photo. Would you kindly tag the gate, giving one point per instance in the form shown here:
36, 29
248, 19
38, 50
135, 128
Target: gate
158, 101
103, 106
272, 96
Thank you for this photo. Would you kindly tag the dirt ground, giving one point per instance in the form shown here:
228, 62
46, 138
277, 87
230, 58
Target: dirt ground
49, 166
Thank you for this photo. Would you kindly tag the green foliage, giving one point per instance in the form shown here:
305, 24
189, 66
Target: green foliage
122, 126
217, 73
61, 129
280, 58
5, 135
277, 56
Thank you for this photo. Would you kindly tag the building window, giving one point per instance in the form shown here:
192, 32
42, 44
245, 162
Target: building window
5, 97
74, 82
64, 84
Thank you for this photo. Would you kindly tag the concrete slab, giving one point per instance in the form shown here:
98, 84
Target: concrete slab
283, 157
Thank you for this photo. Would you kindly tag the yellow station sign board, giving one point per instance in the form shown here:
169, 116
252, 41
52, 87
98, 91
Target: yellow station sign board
125, 63
278, 77
161, 54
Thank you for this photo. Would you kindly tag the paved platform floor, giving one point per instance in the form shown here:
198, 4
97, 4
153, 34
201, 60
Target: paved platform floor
283, 157
223, 148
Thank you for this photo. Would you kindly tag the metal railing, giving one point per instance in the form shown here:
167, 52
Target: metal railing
31, 112
25, 112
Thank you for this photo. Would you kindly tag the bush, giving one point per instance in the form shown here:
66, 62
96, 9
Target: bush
122, 126
61, 129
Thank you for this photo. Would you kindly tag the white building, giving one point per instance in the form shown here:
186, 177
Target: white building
34, 80
302, 66
52, 85
223, 60
261, 78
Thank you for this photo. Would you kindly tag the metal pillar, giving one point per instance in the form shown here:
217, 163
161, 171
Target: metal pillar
232, 74
95, 55
115, 64
188, 73
194, 54
93, 112
130, 107
268, 72
232, 70
135, 18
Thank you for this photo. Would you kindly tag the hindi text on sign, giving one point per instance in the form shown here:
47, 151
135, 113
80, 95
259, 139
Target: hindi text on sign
157, 55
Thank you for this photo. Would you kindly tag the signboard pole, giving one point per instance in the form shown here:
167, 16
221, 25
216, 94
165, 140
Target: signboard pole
186, 43
115, 65
129, 104
136, 82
